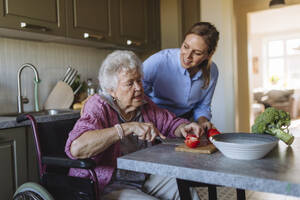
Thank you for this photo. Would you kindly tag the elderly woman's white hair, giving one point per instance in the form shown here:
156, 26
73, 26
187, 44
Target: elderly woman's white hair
113, 64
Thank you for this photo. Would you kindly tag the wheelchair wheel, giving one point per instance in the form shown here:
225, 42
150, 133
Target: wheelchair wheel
32, 191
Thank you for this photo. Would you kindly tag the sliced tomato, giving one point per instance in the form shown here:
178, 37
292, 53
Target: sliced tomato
212, 132
191, 141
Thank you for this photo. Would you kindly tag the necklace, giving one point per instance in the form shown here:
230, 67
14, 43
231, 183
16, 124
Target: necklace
127, 117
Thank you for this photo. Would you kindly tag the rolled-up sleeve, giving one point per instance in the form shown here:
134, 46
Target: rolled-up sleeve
96, 115
89, 120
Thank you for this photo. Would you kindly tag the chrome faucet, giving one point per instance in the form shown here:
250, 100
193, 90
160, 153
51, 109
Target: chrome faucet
21, 100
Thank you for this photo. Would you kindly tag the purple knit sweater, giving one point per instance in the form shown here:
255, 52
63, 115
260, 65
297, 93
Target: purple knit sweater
98, 114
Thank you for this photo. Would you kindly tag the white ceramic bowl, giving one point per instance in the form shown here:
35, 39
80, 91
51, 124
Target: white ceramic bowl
244, 146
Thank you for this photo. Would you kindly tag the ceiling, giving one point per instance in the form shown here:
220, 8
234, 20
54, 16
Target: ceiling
275, 20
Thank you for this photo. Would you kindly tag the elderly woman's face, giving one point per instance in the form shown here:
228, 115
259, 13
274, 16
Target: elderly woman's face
193, 51
129, 92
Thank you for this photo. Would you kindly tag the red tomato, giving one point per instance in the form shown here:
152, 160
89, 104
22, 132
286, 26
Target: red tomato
212, 132
191, 141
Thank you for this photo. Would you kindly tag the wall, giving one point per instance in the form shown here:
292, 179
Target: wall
256, 58
287, 19
50, 59
220, 13
170, 20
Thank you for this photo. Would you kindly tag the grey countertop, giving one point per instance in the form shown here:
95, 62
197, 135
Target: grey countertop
10, 122
278, 172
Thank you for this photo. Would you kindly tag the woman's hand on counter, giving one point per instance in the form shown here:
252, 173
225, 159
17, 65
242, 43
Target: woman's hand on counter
205, 124
191, 128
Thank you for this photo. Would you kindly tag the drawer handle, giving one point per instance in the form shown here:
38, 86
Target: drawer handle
92, 36
32, 26
134, 43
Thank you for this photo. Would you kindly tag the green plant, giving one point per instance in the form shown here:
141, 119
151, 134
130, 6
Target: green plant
274, 79
77, 83
274, 122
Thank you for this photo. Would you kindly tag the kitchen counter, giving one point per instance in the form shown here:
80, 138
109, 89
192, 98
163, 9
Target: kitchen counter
10, 122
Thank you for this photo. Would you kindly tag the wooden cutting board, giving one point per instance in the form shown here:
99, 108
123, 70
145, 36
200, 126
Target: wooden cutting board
61, 97
206, 148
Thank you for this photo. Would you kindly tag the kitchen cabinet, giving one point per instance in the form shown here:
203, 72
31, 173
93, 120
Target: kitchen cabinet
126, 23
132, 22
114, 21
47, 16
139, 23
118, 24
18, 160
154, 32
13, 156
89, 19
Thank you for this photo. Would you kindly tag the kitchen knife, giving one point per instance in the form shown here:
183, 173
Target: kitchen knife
77, 89
66, 74
69, 75
72, 77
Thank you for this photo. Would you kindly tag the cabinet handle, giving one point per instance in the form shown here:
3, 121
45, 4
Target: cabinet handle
92, 36
32, 26
134, 43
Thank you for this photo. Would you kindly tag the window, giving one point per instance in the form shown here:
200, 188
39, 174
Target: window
293, 46
283, 63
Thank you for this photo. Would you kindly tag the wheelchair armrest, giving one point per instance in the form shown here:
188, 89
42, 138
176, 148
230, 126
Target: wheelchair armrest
69, 163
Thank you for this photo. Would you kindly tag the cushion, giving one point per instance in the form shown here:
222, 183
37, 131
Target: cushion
276, 96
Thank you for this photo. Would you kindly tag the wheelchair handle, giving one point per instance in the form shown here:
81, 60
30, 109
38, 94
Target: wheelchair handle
21, 118
24, 117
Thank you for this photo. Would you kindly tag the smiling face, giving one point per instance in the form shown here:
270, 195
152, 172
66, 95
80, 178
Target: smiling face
129, 91
193, 51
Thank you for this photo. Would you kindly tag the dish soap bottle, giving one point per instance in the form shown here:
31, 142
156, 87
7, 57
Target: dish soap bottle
90, 87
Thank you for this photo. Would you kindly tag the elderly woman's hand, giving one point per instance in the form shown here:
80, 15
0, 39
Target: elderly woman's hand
144, 131
184, 129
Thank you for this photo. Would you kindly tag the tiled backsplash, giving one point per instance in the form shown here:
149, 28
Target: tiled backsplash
51, 61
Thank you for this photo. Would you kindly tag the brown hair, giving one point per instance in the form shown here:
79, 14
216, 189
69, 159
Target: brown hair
211, 37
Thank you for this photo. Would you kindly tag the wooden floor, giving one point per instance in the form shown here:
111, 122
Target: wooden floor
295, 127
268, 196
225, 193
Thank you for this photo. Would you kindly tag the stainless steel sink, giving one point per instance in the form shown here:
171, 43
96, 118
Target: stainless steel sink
39, 113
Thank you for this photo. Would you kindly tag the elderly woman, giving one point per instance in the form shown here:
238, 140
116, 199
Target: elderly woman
122, 120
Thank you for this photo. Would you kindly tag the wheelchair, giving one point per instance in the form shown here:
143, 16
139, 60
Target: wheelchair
53, 165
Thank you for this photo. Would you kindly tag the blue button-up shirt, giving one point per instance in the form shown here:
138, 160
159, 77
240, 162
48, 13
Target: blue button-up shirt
169, 85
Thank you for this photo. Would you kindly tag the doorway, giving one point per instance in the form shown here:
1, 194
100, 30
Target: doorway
274, 62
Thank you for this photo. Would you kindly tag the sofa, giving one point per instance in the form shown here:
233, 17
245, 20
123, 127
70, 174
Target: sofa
280, 99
